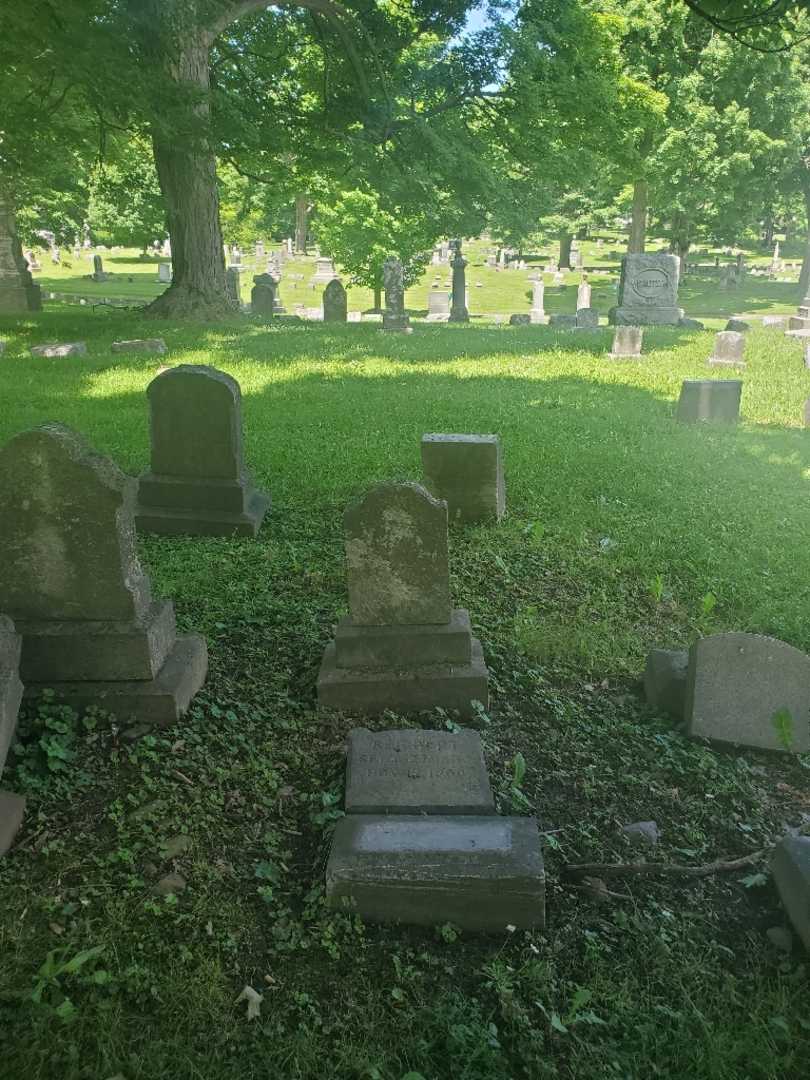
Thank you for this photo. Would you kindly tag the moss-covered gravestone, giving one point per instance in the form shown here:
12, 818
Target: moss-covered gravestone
402, 646
335, 303
11, 806
71, 580
467, 472
198, 483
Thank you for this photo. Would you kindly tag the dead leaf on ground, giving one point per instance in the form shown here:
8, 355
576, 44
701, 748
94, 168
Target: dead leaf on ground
254, 1002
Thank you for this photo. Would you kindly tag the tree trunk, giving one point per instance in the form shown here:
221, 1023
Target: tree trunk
638, 224
377, 296
804, 276
301, 224
566, 239
18, 292
187, 173
767, 240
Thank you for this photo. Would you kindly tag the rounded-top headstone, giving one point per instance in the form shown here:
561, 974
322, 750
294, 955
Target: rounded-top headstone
396, 556
335, 303
67, 532
195, 423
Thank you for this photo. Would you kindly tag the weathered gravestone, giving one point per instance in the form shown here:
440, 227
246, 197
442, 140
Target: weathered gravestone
438, 307
263, 296
18, 290
402, 646
729, 350
750, 690
233, 287
324, 272
11, 689
563, 322
627, 343
467, 472
417, 772
520, 318
140, 345
799, 322
394, 316
458, 307
583, 295
198, 483
68, 348
98, 269
537, 313
165, 273
710, 400
71, 580
479, 873
648, 291
774, 322
587, 318
335, 303
740, 325
790, 867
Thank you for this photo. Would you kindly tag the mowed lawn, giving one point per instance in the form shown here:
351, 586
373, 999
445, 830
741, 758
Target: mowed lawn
625, 530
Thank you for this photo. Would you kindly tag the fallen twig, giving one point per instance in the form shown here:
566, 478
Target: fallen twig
720, 866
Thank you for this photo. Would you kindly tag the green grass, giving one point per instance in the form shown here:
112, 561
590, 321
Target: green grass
621, 526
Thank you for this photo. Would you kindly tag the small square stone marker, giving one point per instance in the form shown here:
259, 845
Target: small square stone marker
750, 690
790, 866
715, 400
417, 772
627, 343
729, 350
467, 472
480, 873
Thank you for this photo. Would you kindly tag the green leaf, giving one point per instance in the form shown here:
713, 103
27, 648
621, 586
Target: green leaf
754, 881
557, 1024
518, 769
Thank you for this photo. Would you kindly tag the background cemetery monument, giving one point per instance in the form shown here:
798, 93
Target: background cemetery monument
648, 291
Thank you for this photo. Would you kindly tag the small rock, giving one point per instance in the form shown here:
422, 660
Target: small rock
176, 846
641, 833
171, 883
780, 937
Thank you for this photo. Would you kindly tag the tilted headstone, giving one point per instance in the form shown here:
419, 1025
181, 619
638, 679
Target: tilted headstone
335, 303
790, 868
537, 313
627, 342
648, 291
729, 350
402, 646
750, 690
263, 296
71, 580
458, 302
165, 273
710, 400
11, 689
467, 472
479, 873
417, 772
438, 307
198, 483
394, 316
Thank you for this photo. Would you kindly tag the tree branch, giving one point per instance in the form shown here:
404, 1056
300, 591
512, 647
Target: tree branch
720, 866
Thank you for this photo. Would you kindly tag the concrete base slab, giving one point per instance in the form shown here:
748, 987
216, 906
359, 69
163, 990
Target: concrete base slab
173, 522
450, 686
645, 316
12, 808
159, 701
406, 646
480, 873
790, 866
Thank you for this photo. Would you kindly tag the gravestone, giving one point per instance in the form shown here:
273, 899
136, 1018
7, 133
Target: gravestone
259, 250
11, 689
648, 291
537, 313
233, 287
263, 296
520, 318
587, 318
751, 690
417, 772
467, 472
71, 581
165, 273
324, 272
627, 343
67, 348
482, 873
790, 868
402, 646
140, 345
729, 350
583, 295
198, 483
665, 680
394, 316
740, 325
710, 400
98, 269
458, 305
798, 322
563, 322
775, 322
335, 303
438, 307
18, 290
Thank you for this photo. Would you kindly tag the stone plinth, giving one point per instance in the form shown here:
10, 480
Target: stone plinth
403, 646
467, 472
790, 866
750, 690
710, 400
198, 484
480, 873
417, 772
648, 291
71, 580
